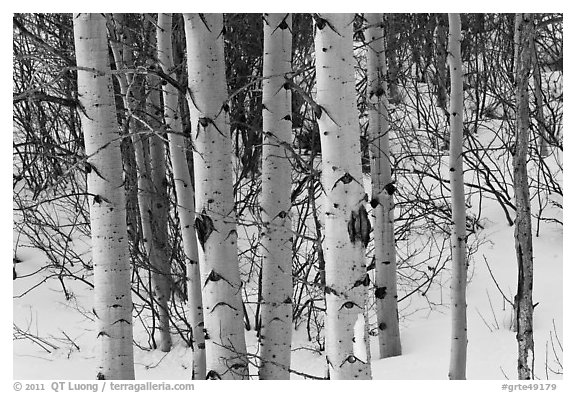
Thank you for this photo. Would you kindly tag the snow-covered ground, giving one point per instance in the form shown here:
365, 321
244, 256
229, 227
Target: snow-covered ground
62, 341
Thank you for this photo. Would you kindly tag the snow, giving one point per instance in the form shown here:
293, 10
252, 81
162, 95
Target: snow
425, 331
64, 328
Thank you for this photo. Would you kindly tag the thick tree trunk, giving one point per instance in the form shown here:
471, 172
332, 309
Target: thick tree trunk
382, 200
276, 328
215, 220
110, 256
459, 264
347, 225
523, 306
184, 196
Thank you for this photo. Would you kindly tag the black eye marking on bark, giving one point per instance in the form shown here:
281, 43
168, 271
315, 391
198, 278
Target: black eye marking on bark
351, 359
380, 292
204, 121
204, 227
390, 188
102, 334
100, 376
203, 18
222, 304
349, 305
346, 179
321, 23
281, 214
359, 226
374, 202
328, 290
121, 320
365, 281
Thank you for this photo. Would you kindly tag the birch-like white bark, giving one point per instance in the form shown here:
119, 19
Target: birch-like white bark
215, 220
459, 338
184, 196
347, 225
382, 200
276, 314
110, 255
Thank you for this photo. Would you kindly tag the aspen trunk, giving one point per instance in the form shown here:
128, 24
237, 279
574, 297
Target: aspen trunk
276, 314
215, 219
523, 305
391, 56
184, 196
110, 256
347, 226
159, 256
150, 169
459, 264
382, 200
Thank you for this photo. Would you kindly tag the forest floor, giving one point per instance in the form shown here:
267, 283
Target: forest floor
58, 338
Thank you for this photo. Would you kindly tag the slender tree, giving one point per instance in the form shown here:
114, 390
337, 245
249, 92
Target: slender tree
382, 200
459, 264
523, 306
159, 257
110, 256
150, 168
215, 218
184, 196
276, 314
347, 226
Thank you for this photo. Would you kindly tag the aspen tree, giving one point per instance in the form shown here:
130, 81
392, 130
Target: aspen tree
276, 314
382, 200
184, 196
523, 306
159, 258
347, 226
215, 218
459, 340
149, 157
110, 255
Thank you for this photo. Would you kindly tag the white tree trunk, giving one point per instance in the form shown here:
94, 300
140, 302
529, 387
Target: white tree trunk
523, 305
459, 338
382, 200
110, 256
150, 168
215, 220
184, 196
347, 225
276, 328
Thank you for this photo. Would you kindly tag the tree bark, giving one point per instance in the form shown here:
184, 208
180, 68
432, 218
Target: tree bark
276, 328
382, 200
184, 196
459, 264
347, 225
523, 305
110, 256
215, 219
159, 257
